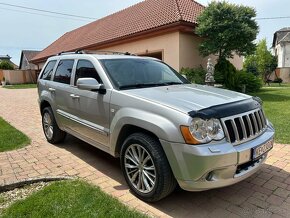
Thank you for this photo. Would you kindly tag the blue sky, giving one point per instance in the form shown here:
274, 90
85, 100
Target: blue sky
21, 30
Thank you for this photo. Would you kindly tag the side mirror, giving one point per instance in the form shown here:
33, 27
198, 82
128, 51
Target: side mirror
90, 84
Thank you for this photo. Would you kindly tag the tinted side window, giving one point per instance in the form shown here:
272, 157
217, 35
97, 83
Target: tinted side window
63, 71
85, 69
46, 75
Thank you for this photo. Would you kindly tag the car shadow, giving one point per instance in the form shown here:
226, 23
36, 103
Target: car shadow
249, 198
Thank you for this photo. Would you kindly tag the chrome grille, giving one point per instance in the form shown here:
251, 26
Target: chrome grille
244, 127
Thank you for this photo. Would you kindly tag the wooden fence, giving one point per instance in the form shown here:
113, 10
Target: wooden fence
19, 76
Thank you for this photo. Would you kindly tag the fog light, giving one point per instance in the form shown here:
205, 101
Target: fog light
209, 176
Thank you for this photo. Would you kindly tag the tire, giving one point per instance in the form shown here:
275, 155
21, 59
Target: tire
51, 130
146, 168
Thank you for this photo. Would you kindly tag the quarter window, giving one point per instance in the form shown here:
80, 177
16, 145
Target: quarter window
85, 69
63, 71
46, 75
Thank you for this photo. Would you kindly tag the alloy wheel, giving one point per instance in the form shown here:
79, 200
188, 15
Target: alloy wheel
140, 168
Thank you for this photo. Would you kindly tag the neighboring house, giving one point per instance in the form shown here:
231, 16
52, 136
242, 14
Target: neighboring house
281, 48
25, 60
159, 28
7, 58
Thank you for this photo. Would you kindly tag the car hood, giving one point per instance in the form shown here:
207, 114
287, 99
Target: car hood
188, 97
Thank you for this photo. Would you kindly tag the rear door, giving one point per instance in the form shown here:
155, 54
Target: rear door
60, 87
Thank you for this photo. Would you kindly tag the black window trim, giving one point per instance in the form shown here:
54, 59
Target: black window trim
53, 70
75, 70
72, 73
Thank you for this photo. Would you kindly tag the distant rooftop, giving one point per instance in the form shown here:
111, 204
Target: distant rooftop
281, 35
5, 57
29, 54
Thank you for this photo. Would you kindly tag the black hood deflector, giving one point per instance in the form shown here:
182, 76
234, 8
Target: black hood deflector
226, 110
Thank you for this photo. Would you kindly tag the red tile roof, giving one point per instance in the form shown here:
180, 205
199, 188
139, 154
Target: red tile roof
140, 17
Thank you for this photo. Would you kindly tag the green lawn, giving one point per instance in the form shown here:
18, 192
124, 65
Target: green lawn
21, 86
277, 108
277, 85
69, 199
11, 138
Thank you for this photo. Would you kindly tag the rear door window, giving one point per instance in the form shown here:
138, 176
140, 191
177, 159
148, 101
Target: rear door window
46, 75
64, 71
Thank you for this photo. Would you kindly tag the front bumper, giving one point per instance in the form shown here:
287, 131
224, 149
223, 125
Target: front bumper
202, 167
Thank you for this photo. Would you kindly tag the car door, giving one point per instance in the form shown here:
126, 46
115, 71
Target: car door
60, 89
91, 108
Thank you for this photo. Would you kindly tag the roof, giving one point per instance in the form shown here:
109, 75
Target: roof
29, 54
5, 57
141, 17
281, 35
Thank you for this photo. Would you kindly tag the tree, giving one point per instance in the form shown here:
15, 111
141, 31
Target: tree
5, 65
262, 61
227, 28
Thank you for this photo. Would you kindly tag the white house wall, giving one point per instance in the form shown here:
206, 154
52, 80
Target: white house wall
287, 55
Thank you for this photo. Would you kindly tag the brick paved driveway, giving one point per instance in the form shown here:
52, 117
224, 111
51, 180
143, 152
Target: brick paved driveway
265, 194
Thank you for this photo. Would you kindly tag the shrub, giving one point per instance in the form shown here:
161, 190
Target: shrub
231, 78
194, 75
252, 82
6, 65
225, 73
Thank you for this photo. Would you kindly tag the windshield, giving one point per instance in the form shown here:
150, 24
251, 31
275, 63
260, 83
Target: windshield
140, 73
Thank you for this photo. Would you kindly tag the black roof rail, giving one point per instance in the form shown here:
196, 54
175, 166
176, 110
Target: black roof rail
107, 52
95, 52
71, 52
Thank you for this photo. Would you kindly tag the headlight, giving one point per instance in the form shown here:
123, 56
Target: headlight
202, 131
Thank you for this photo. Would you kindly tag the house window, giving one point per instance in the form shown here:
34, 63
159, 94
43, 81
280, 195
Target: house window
63, 71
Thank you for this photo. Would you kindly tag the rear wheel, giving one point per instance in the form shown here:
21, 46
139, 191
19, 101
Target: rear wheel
146, 168
51, 130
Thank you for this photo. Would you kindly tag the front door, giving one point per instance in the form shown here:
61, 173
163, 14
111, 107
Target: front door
91, 109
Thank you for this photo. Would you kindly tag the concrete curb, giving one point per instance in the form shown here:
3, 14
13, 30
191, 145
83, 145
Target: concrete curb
21, 183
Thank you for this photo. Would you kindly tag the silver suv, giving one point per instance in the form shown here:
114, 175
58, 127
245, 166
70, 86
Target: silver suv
165, 130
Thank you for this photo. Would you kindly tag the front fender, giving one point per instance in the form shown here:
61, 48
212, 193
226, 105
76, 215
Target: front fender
160, 126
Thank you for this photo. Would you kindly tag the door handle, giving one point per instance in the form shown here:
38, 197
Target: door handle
51, 89
74, 96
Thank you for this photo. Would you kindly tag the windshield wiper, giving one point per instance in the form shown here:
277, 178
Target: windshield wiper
172, 83
146, 85
138, 85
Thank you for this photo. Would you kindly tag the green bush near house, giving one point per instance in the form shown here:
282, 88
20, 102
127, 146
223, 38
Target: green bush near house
194, 75
250, 81
11, 138
70, 199
227, 75
6, 65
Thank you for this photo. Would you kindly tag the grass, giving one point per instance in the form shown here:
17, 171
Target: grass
70, 199
277, 85
21, 86
11, 138
277, 108
2, 199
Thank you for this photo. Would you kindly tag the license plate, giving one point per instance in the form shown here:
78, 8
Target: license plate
262, 149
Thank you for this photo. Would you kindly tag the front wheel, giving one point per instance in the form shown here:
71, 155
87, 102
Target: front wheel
51, 130
145, 167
